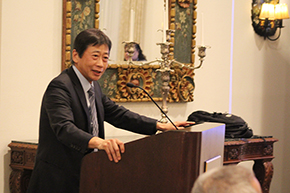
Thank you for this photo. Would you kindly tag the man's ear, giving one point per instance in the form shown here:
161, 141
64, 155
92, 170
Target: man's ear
75, 56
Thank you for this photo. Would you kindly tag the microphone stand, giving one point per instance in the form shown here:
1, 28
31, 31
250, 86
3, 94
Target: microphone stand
129, 84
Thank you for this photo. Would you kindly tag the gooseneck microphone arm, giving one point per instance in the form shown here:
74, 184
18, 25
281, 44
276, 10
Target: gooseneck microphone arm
131, 85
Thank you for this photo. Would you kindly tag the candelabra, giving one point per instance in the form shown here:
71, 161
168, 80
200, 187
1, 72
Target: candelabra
166, 66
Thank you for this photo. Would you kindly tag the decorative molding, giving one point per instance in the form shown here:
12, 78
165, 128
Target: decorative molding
233, 154
114, 81
268, 150
15, 181
17, 157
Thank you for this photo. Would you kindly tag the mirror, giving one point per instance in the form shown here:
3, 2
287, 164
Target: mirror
145, 26
83, 14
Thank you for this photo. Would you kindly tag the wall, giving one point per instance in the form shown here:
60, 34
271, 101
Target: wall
260, 87
247, 76
30, 57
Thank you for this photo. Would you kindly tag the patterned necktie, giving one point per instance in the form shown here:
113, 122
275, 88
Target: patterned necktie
93, 112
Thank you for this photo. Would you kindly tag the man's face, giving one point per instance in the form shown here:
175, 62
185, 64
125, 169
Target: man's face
93, 63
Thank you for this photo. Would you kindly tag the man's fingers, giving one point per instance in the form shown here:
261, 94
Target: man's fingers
109, 154
114, 148
184, 124
116, 152
106, 146
121, 145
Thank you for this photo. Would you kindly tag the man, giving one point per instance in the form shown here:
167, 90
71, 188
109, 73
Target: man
72, 124
227, 179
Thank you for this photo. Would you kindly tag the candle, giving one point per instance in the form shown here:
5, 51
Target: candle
165, 22
166, 17
132, 20
202, 30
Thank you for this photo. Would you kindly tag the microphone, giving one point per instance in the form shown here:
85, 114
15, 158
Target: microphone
131, 85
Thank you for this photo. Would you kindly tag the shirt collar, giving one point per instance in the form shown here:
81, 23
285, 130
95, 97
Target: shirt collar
84, 82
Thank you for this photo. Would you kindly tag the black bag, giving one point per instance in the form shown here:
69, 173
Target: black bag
236, 127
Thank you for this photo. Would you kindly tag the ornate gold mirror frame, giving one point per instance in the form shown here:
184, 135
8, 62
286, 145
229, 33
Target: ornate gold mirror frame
83, 14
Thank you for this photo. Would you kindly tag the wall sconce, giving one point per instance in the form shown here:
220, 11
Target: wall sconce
268, 17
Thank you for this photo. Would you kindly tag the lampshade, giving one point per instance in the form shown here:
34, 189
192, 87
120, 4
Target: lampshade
281, 11
267, 11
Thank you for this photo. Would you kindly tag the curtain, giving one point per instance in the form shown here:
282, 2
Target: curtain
138, 7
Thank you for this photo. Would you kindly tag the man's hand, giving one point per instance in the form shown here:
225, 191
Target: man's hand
113, 147
169, 126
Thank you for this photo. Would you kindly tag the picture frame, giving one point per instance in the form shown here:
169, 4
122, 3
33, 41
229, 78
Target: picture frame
83, 14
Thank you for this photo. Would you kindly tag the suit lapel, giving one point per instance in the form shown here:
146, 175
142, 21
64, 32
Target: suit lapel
100, 108
80, 92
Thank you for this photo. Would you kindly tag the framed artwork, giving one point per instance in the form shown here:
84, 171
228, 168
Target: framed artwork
83, 14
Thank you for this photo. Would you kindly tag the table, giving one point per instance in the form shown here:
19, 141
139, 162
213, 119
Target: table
259, 149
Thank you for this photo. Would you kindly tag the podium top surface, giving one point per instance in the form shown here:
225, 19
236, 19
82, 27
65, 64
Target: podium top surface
203, 127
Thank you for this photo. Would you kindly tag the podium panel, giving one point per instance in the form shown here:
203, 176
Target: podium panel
166, 162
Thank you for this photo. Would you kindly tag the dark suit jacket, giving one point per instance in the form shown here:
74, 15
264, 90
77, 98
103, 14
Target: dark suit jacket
64, 132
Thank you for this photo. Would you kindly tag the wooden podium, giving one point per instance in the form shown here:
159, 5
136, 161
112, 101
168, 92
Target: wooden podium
166, 162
